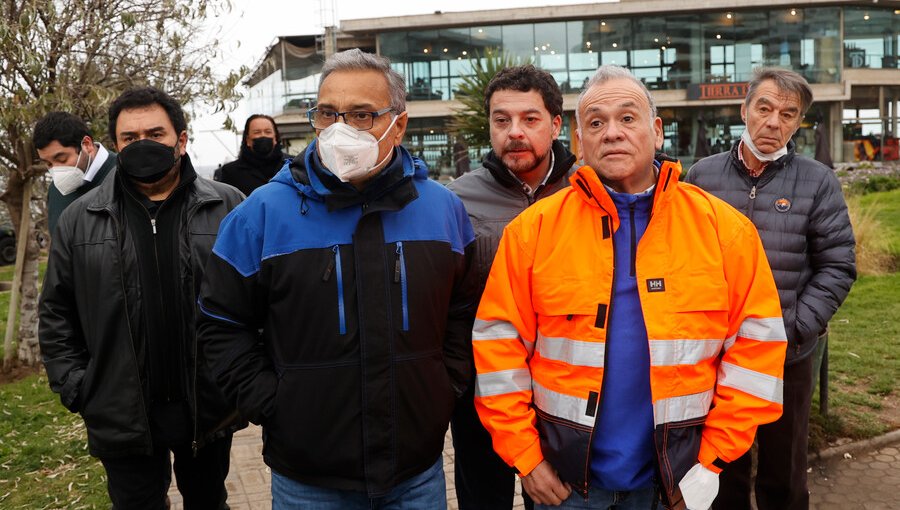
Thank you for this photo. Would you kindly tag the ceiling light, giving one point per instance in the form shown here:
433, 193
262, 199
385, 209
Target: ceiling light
718, 36
446, 50
425, 50
480, 31
728, 15
602, 23
662, 48
866, 17
656, 39
793, 12
615, 45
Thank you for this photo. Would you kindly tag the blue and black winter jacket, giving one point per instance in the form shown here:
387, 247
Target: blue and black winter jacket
338, 319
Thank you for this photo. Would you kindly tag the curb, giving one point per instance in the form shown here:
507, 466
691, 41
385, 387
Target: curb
856, 446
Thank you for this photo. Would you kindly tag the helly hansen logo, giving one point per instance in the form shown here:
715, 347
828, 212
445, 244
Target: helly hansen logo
656, 285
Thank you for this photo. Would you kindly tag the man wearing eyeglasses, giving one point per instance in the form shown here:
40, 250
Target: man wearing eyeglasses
337, 305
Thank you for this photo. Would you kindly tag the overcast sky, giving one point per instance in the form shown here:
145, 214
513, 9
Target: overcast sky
252, 25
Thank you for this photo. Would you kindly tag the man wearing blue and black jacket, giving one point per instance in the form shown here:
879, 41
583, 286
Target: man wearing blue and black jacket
337, 302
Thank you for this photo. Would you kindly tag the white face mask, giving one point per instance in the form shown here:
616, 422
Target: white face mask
68, 178
760, 155
348, 153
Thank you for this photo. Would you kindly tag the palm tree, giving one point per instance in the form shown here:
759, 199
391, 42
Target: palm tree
471, 121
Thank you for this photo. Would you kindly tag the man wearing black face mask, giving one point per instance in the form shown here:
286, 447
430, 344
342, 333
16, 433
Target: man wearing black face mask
117, 314
261, 156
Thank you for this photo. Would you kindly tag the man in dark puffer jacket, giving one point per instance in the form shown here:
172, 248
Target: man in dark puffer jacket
797, 205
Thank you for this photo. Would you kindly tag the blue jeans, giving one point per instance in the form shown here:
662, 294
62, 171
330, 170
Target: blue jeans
602, 499
424, 491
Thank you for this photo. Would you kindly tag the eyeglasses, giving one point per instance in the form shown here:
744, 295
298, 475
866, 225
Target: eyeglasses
362, 121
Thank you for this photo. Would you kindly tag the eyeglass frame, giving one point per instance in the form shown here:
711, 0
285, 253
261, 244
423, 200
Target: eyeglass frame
374, 115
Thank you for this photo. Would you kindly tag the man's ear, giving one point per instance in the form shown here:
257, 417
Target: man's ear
182, 142
400, 128
87, 145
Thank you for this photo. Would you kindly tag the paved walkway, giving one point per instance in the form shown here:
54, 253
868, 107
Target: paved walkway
867, 480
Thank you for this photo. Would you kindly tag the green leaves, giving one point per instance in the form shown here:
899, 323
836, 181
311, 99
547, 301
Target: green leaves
471, 121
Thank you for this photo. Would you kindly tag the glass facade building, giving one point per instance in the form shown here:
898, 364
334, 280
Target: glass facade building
672, 53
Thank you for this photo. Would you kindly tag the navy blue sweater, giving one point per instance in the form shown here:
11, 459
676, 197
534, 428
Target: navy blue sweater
622, 452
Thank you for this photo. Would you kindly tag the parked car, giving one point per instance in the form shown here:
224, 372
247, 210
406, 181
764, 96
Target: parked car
7, 244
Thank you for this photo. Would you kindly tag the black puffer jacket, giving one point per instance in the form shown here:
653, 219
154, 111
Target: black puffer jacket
799, 210
91, 306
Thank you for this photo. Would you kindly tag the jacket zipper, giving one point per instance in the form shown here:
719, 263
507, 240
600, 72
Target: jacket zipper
754, 181
336, 249
633, 242
400, 277
195, 441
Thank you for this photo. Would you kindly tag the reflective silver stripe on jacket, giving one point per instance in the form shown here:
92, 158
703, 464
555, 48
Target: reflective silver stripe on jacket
685, 407
573, 352
493, 330
763, 330
498, 330
562, 406
760, 385
664, 353
502, 382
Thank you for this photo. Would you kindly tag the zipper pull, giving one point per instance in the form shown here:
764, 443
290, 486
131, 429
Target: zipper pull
399, 251
753, 192
153, 225
330, 267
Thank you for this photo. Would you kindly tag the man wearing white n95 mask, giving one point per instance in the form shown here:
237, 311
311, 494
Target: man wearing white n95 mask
337, 306
77, 164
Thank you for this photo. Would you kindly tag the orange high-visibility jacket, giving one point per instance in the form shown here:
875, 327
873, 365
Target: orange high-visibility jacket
713, 318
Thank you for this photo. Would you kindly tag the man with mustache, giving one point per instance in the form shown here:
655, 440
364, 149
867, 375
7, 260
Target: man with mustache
797, 205
527, 163
629, 339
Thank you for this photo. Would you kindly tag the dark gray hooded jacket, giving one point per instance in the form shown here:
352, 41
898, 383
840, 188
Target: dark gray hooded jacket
799, 209
493, 197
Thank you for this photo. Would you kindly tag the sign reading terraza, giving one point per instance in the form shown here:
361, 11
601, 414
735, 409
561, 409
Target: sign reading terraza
717, 90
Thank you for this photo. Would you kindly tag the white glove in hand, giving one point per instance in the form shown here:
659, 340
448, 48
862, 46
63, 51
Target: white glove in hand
699, 488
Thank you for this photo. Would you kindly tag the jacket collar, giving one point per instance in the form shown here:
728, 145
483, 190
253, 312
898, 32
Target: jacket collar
563, 161
772, 167
588, 186
391, 190
199, 188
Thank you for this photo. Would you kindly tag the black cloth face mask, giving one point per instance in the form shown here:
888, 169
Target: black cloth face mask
263, 146
147, 161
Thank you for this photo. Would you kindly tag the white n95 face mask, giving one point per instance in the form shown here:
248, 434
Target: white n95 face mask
748, 141
348, 153
68, 178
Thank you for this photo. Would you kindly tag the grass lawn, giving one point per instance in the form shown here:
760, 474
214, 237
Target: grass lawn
44, 462
864, 364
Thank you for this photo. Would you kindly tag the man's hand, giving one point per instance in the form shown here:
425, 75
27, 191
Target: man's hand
544, 486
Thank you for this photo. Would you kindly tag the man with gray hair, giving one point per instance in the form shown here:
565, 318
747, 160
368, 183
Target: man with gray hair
797, 205
624, 356
338, 302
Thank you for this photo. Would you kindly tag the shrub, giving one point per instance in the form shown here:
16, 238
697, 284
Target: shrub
873, 250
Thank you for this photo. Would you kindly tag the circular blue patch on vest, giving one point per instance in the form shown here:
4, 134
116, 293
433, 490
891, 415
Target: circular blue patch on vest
782, 205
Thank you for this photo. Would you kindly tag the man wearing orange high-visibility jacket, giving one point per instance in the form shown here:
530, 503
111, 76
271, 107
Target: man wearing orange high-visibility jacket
629, 340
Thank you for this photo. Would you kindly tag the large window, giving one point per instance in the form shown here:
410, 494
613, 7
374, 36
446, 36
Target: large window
665, 52
871, 37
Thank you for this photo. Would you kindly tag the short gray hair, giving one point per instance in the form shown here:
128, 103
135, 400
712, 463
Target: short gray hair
786, 81
608, 72
358, 60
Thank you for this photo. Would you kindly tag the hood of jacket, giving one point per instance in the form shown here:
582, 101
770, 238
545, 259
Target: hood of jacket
562, 162
590, 188
391, 189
